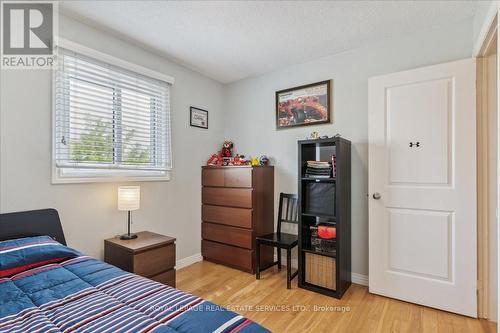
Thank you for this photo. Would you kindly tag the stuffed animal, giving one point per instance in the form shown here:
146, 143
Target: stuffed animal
254, 161
213, 159
243, 160
238, 160
264, 160
227, 149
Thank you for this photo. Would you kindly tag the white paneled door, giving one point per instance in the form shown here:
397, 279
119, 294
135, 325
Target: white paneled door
422, 183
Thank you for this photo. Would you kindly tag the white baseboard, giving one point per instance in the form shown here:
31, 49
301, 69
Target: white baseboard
359, 279
184, 262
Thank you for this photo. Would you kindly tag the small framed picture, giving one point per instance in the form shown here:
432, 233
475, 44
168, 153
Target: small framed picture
199, 117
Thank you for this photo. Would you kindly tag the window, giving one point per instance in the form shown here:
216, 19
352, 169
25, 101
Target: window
109, 121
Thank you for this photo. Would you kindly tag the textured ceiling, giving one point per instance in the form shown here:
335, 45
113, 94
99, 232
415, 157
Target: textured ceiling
229, 40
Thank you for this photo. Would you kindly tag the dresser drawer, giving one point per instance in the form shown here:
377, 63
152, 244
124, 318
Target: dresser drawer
228, 255
228, 235
230, 177
152, 262
238, 177
212, 177
233, 197
236, 217
167, 278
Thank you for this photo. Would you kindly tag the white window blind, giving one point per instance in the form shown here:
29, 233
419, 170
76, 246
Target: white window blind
107, 117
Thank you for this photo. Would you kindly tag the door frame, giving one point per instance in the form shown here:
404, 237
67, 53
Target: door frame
483, 107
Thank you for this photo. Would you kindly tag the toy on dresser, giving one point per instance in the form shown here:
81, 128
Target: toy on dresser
215, 160
225, 157
227, 149
239, 160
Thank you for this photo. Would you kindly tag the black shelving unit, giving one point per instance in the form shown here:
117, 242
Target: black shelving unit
325, 201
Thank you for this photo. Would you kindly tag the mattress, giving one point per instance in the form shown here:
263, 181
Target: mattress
48, 287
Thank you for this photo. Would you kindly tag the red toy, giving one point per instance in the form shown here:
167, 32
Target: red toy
215, 160
227, 149
327, 232
238, 160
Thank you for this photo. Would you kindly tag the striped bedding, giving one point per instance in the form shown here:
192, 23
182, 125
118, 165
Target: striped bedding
47, 287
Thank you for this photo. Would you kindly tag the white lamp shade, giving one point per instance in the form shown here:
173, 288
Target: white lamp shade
129, 197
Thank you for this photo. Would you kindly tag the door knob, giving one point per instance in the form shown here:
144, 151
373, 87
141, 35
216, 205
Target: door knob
376, 196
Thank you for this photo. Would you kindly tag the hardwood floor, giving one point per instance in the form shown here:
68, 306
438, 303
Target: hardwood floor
269, 303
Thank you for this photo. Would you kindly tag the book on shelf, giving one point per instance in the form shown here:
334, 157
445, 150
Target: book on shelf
318, 164
334, 166
318, 169
318, 176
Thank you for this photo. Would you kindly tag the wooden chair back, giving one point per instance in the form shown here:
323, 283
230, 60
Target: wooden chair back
288, 210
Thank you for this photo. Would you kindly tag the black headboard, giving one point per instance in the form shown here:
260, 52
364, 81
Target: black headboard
31, 223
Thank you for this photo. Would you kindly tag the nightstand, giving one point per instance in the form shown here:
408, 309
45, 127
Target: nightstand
150, 255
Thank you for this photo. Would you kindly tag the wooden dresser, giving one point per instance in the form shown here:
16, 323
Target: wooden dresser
237, 205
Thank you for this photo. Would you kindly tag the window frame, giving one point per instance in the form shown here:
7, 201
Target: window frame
62, 175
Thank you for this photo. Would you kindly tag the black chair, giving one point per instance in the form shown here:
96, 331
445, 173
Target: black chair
287, 213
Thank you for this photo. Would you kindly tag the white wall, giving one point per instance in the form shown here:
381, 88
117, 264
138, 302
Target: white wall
485, 12
250, 109
88, 211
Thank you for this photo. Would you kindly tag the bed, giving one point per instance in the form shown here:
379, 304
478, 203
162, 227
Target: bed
46, 286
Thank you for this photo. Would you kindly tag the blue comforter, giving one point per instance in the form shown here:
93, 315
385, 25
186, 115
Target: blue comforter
48, 287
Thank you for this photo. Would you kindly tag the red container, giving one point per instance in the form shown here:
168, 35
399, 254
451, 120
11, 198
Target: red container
327, 232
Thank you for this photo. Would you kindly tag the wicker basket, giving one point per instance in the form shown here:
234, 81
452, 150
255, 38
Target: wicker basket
320, 270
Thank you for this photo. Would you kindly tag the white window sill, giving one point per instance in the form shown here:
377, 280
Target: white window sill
63, 176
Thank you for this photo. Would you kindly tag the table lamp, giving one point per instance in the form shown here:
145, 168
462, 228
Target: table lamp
129, 198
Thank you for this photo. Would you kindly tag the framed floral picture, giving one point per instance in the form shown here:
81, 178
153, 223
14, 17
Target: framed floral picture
199, 117
304, 105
